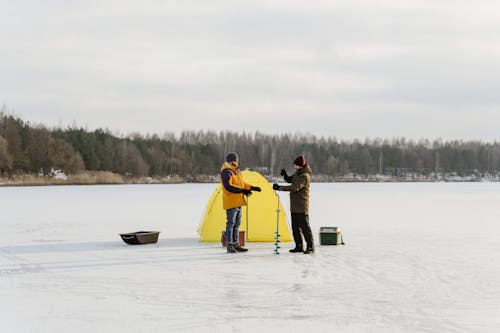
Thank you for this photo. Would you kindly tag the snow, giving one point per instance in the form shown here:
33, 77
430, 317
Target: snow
419, 257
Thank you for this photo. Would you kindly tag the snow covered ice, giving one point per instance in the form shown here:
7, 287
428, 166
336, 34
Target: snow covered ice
418, 258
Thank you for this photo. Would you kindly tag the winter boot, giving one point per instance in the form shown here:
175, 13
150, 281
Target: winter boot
230, 248
309, 250
297, 250
238, 248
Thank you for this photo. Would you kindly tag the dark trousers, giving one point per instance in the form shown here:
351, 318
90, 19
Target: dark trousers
300, 226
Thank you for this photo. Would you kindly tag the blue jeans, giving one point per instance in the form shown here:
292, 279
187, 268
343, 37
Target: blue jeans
233, 225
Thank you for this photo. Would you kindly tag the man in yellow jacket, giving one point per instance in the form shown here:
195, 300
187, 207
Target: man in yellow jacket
234, 193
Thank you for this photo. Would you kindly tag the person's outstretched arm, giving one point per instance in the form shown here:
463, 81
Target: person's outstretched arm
225, 178
298, 183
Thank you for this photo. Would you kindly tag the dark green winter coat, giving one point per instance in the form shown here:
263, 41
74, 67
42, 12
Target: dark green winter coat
299, 190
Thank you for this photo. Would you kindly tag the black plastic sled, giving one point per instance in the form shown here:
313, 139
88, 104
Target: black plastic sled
140, 237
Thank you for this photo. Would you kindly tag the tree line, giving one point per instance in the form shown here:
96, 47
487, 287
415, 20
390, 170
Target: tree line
28, 148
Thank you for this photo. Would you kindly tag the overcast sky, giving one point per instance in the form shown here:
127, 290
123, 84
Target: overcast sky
424, 68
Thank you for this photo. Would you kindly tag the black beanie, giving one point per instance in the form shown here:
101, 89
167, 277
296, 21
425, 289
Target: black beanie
231, 157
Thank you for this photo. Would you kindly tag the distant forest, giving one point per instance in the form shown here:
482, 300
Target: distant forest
36, 149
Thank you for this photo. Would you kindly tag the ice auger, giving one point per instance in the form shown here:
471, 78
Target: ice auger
277, 233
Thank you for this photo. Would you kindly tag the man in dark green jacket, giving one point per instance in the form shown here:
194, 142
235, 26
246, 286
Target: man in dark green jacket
299, 203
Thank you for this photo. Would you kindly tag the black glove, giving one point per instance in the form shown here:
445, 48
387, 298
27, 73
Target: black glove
276, 187
247, 192
283, 173
256, 188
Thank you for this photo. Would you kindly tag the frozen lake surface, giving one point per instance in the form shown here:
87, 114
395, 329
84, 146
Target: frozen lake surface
419, 258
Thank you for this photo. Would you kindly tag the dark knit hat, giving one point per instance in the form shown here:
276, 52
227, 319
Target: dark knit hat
231, 157
300, 161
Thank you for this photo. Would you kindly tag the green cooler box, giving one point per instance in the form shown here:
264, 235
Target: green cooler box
330, 236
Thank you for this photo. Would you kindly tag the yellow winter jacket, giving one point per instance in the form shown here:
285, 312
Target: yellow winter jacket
233, 185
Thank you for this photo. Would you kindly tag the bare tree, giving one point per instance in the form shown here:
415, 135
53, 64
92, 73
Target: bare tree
5, 158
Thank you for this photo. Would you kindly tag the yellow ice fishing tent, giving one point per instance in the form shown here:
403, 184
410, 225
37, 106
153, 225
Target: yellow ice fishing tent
258, 218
